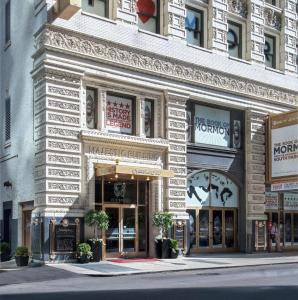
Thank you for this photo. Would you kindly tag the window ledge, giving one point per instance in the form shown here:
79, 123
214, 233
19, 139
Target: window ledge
199, 48
274, 70
158, 35
7, 45
240, 60
98, 17
116, 138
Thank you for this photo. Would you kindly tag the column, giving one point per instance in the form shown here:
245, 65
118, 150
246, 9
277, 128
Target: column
255, 31
288, 36
101, 110
140, 124
126, 11
218, 26
174, 18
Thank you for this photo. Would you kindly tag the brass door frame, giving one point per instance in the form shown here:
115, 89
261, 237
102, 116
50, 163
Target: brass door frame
121, 253
210, 247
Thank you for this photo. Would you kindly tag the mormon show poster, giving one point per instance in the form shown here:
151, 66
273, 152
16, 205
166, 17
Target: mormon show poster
212, 126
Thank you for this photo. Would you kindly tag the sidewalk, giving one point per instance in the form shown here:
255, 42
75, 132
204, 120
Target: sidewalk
197, 262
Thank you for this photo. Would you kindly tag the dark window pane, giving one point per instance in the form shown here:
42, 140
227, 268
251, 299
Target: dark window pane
7, 120
129, 230
98, 191
142, 228
143, 192
295, 233
288, 228
192, 227
7, 21
217, 228
112, 233
120, 192
204, 228
269, 51
229, 219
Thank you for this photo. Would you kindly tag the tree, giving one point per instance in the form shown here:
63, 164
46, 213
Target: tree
164, 221
98, 219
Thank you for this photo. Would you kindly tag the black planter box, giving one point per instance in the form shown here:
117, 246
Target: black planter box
174, 254
22, 261
96, 249
84, 259
163, 248
5, 256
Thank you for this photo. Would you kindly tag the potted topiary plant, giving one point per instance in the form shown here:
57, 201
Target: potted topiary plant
164, 221
22, 256
100, 221
84, 253
174, 248
4, 251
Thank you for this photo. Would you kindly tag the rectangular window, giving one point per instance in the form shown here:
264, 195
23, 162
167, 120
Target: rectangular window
91, 108
149, 118
120, 114
7, 120
270, 51
272, 2
234, 39
148, 15
7, 22
194, 25
96, 7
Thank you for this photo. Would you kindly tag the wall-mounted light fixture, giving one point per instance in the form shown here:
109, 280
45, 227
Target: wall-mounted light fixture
7, 184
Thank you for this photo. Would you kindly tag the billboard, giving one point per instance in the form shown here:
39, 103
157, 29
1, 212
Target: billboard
282, 148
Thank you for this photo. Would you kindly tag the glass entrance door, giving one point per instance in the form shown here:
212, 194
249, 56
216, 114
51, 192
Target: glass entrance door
121, 235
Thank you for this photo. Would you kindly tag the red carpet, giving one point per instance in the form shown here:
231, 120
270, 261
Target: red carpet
133, 260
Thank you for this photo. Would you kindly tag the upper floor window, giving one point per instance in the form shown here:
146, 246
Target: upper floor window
148, 15
272, 2
214, 126
270, 51
97, 7
149, 118
194, 25
7, 130
120, 114
234, 39
7, 21
91, 108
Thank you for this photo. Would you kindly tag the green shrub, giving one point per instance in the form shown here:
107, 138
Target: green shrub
4, 247
21, 251
98, 219
174, 246
84, 248
164, 221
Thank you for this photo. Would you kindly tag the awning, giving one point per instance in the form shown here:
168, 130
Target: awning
102, 170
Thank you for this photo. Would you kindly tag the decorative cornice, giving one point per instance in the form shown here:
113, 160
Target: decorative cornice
79, 44
114, 138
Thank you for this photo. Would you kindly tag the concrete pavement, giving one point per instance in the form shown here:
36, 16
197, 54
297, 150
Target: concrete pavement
197, 262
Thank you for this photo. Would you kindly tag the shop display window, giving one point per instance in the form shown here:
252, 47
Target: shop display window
229, 228
204, 228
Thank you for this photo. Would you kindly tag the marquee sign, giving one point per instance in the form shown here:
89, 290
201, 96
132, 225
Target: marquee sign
282, 148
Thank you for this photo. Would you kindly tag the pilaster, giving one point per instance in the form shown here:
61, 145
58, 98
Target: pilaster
288, 36
176, 134
255, 165
255, 31
218, 25
140, 130
174, 18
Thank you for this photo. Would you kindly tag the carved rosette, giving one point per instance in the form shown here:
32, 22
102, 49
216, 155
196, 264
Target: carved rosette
272, 18
238, 7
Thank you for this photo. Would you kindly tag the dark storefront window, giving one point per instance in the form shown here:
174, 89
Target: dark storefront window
204, 228
295, 228
124, 192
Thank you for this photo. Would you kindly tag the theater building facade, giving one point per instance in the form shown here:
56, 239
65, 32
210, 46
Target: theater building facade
135, 114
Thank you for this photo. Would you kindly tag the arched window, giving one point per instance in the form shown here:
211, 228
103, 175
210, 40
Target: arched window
211, 189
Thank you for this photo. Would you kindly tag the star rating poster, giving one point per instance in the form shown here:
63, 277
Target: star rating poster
119, 114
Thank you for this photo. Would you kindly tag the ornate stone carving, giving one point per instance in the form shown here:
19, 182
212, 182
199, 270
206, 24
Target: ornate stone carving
63, 119
272, 18
64, 105
63, 92
177, 148
125, 56
63, 159
238, 7
64, 186
64, 146
64, 173
69, 133
62, 200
